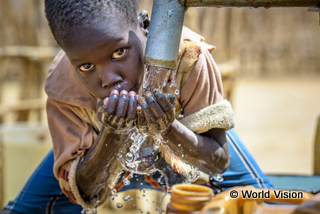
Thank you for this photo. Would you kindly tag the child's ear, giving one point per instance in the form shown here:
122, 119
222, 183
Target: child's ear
144, 21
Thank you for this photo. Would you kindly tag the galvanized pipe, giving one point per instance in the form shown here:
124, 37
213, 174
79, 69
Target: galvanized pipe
251, 3
167, 19
164, 33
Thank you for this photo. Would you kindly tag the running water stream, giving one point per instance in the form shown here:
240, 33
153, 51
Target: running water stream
141, 155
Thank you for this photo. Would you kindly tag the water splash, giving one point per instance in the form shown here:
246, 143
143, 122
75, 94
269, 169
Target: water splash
155, 77
129, 156
166, 183
89, 211
126, 198
142, 153
216, 177
126, 181
142, 150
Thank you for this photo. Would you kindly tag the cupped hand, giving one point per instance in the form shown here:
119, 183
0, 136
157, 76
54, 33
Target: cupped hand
155, 112
118, 111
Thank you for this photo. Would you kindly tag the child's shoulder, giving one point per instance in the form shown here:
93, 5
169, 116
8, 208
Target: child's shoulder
192, 45
63, 85
191, 36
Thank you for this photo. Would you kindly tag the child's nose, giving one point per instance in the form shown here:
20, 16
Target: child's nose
110, 78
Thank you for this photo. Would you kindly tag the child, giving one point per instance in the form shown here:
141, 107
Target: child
103, 45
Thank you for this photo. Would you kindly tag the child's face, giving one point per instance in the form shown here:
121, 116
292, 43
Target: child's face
107, 57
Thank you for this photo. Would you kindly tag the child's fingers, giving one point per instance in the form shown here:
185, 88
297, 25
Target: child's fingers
153, 104
140, 115
141, 119
171, 98
111, 105
132, 108
116, 122
101, 105
163, 99
122, 105
146, 110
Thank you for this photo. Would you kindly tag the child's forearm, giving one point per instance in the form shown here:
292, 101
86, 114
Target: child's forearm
99, 168
208, 151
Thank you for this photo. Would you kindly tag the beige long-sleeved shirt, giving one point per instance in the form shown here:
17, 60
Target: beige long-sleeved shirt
71, 109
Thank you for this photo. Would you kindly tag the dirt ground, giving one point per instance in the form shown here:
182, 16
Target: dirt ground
277, 120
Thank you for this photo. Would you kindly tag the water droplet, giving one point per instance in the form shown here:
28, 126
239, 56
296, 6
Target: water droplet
198, 8
218, 177
112, 199
134, 205
126, 198
171, 85
179, 145
106, 144
177, 92
181, 132
157, 209
114, 191
143, 195
126, 181
138, 197
182, 155
119, 205
181, 116
89, 211
129, 157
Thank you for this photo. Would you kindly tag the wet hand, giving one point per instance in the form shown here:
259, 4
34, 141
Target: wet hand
118, 111
155, 112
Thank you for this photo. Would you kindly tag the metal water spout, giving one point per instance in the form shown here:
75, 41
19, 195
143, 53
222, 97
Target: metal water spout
167, 21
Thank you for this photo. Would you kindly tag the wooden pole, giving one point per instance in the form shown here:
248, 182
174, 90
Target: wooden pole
317, 150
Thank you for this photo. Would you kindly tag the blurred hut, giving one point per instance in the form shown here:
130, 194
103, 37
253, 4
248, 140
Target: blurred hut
26, 50
250, 42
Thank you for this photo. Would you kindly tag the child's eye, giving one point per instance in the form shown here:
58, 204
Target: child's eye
86, 67
119, 53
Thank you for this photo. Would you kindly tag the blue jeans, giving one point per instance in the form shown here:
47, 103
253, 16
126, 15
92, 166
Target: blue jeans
42, 194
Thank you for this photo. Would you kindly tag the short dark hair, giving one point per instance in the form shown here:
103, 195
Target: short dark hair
62, 15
